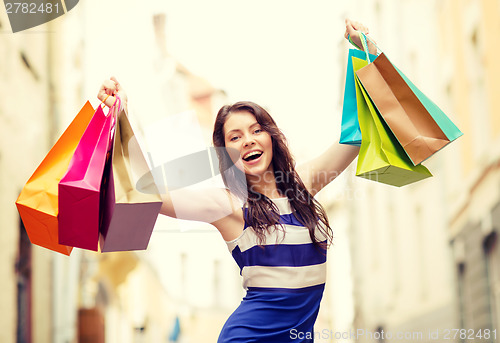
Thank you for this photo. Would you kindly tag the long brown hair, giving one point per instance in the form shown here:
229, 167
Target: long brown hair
262, 212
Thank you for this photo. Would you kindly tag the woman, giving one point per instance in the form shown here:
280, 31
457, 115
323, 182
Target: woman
275, 229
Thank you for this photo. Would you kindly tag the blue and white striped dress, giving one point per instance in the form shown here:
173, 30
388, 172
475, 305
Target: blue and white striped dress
284, 283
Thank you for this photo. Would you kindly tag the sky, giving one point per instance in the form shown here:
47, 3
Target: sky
287, 56
281, 54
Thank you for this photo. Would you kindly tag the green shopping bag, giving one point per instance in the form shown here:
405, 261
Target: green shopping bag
381, 157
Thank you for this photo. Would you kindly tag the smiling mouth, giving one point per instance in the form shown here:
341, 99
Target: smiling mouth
252, 156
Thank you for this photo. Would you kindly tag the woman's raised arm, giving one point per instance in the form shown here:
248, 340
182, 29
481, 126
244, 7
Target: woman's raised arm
322, 170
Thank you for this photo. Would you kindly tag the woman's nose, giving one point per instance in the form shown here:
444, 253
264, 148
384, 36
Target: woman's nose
249, 141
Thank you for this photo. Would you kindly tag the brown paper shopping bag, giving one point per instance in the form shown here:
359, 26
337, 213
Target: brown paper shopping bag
420, 126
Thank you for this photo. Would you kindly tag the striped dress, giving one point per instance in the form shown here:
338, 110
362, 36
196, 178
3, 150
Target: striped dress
284, 283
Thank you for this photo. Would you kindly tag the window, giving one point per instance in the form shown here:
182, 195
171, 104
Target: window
23, 276
461, 293
492, 258
380, 334
28, 65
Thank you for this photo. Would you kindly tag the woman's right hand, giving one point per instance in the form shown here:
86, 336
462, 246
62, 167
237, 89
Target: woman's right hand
352, 29
112, 88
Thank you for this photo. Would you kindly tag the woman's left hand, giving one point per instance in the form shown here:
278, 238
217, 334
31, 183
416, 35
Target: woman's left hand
352, 29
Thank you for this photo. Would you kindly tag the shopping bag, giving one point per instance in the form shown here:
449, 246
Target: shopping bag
79, 189
415, 121
381, 157
350, 132
37, 203
128, 214
447, 126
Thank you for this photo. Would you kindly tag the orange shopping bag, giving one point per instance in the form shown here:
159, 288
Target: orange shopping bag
37, 203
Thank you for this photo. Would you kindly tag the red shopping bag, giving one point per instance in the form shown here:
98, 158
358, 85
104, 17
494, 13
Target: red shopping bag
79, 189
37, 203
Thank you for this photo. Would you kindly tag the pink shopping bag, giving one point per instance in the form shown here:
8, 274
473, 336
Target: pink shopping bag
79, 189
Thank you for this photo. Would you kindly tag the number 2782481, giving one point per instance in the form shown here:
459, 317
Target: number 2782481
30, 7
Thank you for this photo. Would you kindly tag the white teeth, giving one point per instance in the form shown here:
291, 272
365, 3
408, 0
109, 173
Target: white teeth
252, 153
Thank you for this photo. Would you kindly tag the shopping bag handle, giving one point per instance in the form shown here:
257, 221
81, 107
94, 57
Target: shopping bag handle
114, 110
364, 38
113, 107
103, 102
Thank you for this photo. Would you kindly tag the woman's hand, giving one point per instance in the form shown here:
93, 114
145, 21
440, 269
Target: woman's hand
112, 88
352, 29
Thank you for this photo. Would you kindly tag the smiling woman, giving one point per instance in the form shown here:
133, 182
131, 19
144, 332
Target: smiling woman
243, 132
275, 229
255, 144
280, 214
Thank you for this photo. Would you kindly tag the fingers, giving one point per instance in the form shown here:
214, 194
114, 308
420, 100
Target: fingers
107, 90
117, 84
110, 90
107, 99
353, 29
109, 86
110, 101
352, 26
101, 95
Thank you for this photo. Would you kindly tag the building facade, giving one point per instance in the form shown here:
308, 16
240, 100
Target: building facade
425, 256
45, 78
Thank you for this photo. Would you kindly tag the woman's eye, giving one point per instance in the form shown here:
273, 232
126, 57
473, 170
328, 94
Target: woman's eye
234, 138
258, 131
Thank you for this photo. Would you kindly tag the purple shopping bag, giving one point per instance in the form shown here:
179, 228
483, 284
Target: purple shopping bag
128, 213
79, 189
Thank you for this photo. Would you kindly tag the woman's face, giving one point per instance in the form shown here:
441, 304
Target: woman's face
248, 145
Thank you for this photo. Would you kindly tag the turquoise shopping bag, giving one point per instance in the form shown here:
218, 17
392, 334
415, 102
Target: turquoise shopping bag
350, 132
449, 128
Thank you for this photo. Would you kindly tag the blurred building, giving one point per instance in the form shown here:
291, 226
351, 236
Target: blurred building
86, 297
425, 257
28, 128
474, 222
